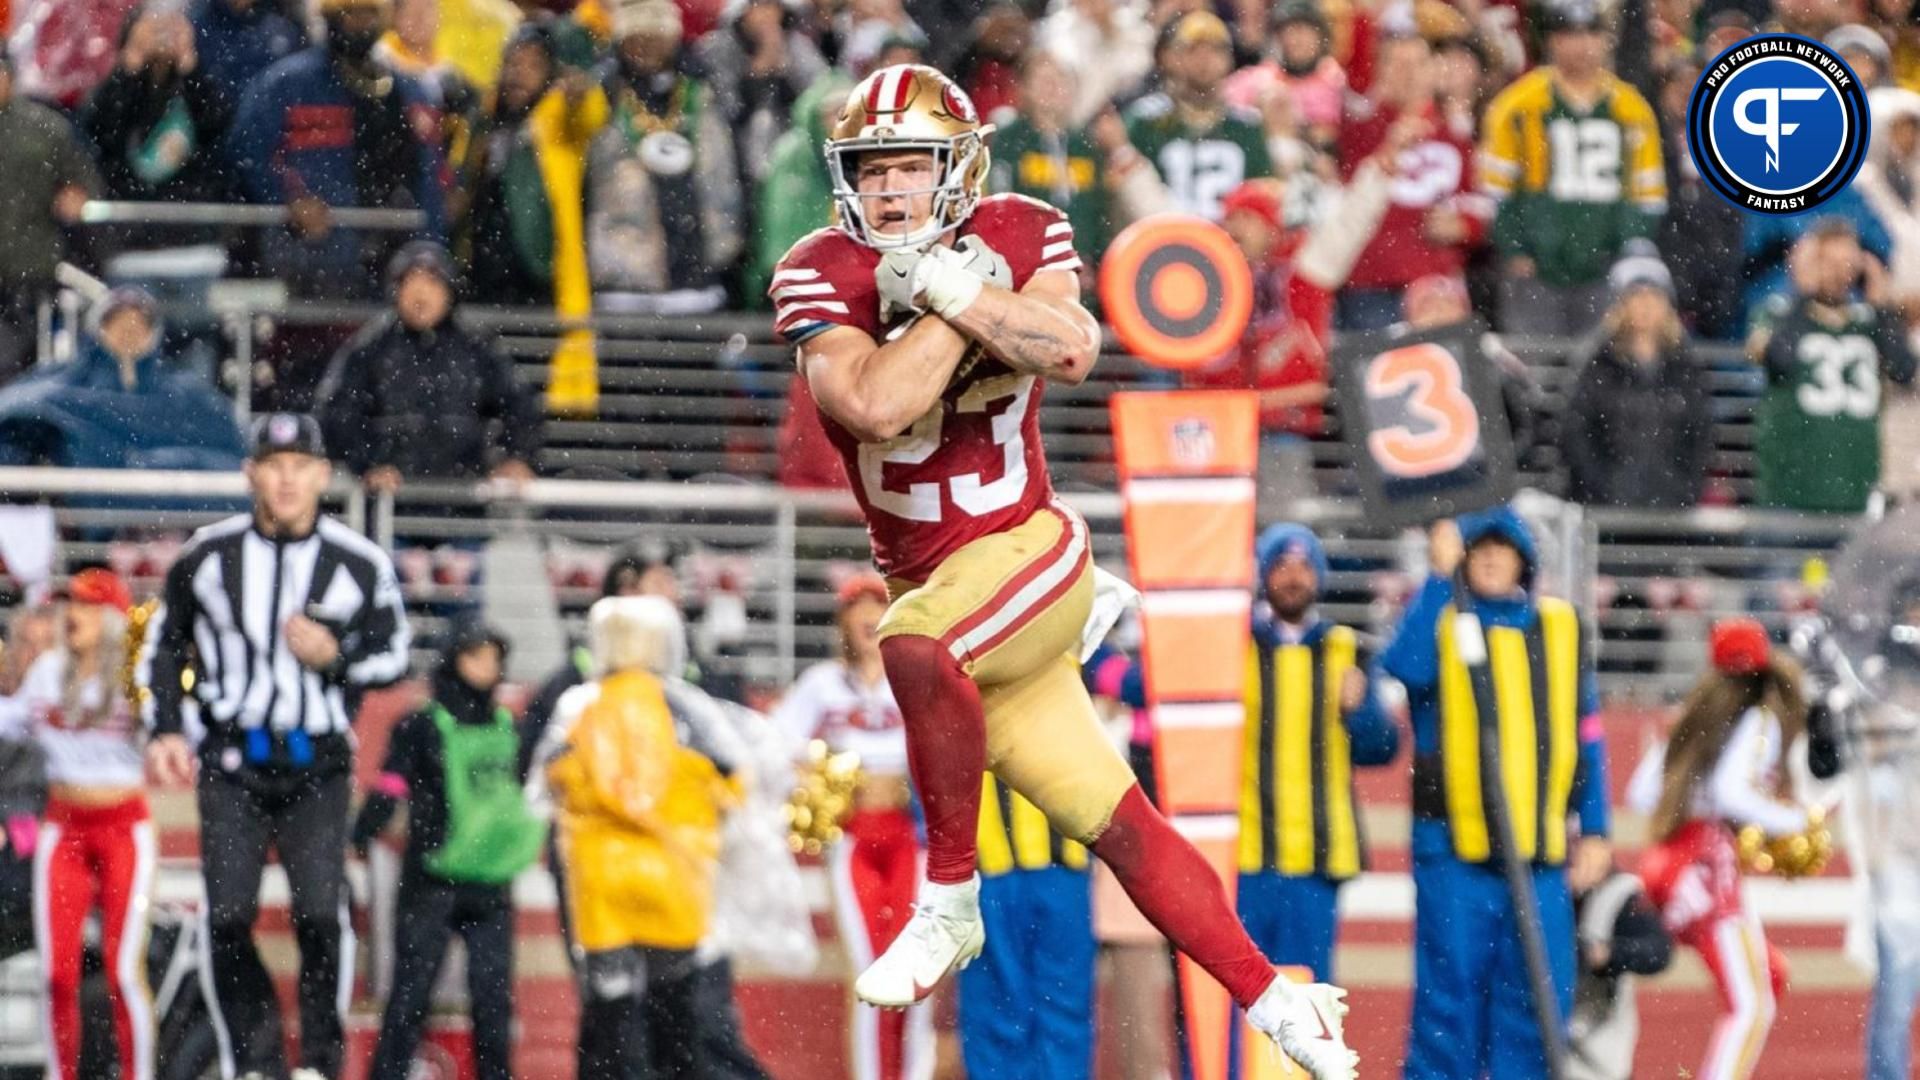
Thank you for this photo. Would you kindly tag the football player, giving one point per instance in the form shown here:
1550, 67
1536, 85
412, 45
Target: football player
928, 320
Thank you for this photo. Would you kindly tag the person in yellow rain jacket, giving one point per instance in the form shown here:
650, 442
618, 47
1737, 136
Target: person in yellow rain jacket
637, 816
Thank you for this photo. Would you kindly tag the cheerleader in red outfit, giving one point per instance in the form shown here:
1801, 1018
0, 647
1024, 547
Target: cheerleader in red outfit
96, 844
1724, 770
876, 865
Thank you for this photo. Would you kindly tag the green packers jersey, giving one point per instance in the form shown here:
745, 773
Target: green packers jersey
1199, 167
1817, 435
1573, 185
1064, 170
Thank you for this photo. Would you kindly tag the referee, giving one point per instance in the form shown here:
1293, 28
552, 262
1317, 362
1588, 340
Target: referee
283, 617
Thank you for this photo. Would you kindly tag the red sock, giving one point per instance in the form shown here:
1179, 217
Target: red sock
1172, 885
946, 748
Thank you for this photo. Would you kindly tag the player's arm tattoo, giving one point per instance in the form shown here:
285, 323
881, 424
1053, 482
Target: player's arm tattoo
1041, 331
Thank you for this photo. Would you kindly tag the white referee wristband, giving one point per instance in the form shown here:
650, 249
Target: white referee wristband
949, 289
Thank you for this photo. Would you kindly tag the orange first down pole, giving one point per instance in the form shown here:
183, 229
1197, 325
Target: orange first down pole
1186, 465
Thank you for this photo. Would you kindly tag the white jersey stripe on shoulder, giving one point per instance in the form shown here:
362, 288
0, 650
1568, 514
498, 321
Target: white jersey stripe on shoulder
1051, 250
1059, 228
801, 274
785, 311
823, 288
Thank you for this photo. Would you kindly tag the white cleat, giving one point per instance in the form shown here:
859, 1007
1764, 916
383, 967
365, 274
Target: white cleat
1306, 1021
944, 935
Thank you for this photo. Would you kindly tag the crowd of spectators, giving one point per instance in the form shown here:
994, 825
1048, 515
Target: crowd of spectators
657, 156
1383, 164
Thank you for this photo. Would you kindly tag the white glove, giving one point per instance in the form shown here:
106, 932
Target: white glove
943, 280
975, 257
894, 278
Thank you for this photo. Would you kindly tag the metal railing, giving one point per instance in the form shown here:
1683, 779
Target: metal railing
242, 215
344, 496
686, 395
662, 375
783, 550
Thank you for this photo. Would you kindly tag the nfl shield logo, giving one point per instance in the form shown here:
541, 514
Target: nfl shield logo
1193, 443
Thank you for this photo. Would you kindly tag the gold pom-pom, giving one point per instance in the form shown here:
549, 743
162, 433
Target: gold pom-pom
1804, 854
137, 619
1796, 855
822, 798
1754, 856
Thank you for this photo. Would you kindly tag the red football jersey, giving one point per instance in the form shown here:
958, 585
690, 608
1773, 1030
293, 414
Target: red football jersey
1436, 172
1285, 346
972, 466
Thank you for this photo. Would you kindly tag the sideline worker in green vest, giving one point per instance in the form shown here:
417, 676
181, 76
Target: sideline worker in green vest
1531, 728
455, 762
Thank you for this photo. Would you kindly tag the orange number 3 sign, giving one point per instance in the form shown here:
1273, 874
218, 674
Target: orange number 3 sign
1441, 429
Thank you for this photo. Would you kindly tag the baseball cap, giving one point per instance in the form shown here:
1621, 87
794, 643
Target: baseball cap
1199, 28
469, 632
1298, 11
1430, 22
429, 255
1739, 646
97, 585
1433, 286
904, 37
1262, 197
285, 433
1853, 37
863, 587
631, 17
1639, 271
1572, 16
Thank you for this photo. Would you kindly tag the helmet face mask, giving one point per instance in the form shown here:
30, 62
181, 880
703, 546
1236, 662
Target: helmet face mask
905, 109
952, 202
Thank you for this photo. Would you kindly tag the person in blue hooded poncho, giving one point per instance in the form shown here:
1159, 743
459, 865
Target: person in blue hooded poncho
1473, 1012
1312, 715
120, 405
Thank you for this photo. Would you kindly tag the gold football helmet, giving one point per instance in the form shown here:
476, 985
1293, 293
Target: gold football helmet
910, 107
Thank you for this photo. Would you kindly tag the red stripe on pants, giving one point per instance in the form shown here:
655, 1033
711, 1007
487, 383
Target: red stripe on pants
1004, 595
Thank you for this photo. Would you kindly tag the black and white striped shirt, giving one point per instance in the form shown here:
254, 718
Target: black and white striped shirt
225, 609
